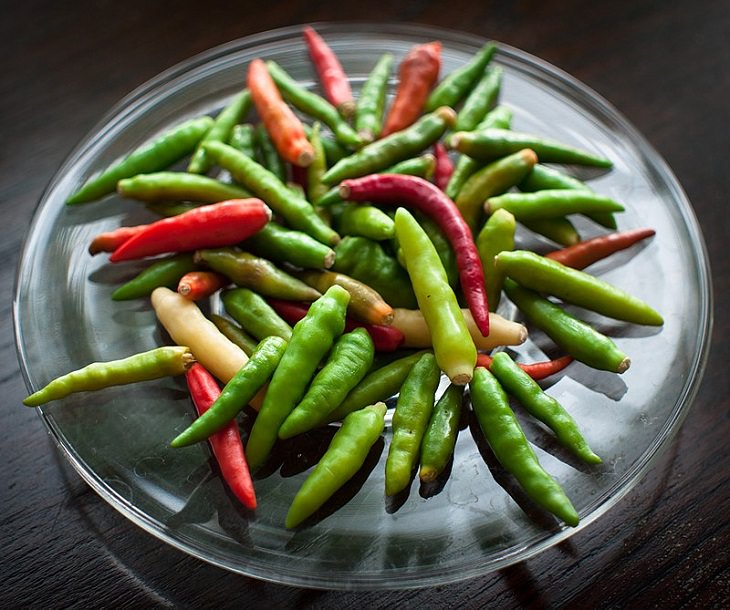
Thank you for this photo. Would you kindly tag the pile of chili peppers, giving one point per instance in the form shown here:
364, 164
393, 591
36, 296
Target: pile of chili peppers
361, 254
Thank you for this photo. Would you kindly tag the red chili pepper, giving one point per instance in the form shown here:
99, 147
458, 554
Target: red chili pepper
417, 74
587, 252
111, 240
444, 166
209, 226
536, 370
226, 443
398, 189
385, 338
334, 81
197, 285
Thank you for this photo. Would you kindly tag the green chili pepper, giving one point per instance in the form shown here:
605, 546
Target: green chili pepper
365, 221
163, 272
270, 158
454, 87
243, 138
220, 131
333, 150
443, 247
172, 186
412, 414
153, 364
560, 229
439, 440
316, 169
552, 204
236, 394
311, 339
371, 101
345, 455
254, 314
498, 234
545, 275
572, 335
348, 362
512, 449
234, 333
296, 210
167, 209
541, 406
283, 245
154, 156
480, 100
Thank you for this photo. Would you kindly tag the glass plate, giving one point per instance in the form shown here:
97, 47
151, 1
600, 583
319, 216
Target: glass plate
118, 438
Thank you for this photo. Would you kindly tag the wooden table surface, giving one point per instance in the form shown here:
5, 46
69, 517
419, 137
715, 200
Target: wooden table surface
662, 64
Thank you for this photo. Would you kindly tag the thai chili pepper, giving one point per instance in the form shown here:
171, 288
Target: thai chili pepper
345, 455
410, 419
348, 362
457, 84
282, 124
296, 211
497, 234
314, 105
489, 144
209, 226
385, 338
439, 440
280, 245
585, 253
254, 314
542, 406
168, 209
480, 100
153, 364
332, 77
493, 179
249, 271
175, 186
452, 343
154, 156
314, 186
536, 370
536, 272
572, 335
418, 72
226, 443
560, 229
234, 333
427, 198
236, 394
393, 148
551, 204
512, 449
333, 150
111, 240
270, 158
371, 101
311, 339
220, 131
200, 284
243, 138
444, 166
365, 221
365, 302
162, 272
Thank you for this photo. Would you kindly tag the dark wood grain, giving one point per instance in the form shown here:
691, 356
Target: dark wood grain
662, 64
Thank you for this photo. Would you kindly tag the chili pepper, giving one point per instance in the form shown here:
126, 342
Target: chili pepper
243, 138
345, 455
456, 86
572, 335
489, 144
366, 221
167, 209
560, 229
270, 157
497, 234
333, 150
283, 126
512, 449
412, 323
172, 186
234, 333
439, 440
585, 253
156, 155
166, 272
371, 100
249, 271
226, 443
200, 284
418, 72
427, 198
365, 303
221, 129
313, 184
410, 419
348, 362
297, 211
536, 272
219, 224
480, 100
443, 247
392, 148
280, 245
536, 370
153, 364
236, 394
311, 339
452, 343
444, 167
551, 204
254, 314
111, 240
332, 77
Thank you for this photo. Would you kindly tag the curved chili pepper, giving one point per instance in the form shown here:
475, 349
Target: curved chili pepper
439, 440
536, 370
585, 253
497, 234
199, 284
365, 221
254, 314
283, 245
444, 166
166, 272
175, 186
480, 100
371, 100
551, 204
111, 240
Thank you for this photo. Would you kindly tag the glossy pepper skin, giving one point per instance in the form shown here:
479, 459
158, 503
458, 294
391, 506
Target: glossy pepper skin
344, 457
550, 204
370, 107
439, 440
332, 76
254, 314
280, 244
162, 272
480, 99
589, 251
178, 186
497, 235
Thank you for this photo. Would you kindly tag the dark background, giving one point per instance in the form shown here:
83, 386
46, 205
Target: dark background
663, 64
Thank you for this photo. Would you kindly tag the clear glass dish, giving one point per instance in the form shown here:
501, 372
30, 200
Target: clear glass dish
117, 439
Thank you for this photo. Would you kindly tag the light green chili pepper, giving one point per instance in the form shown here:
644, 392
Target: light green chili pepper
551, 204
254, 314
439, 440
498, 234
366, 221
243, 138
479, 100
176, 186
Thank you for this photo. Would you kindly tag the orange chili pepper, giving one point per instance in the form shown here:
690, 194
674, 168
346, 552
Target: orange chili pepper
197, 285
111, 240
